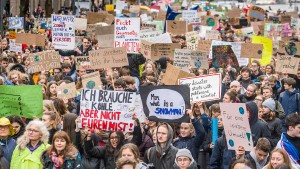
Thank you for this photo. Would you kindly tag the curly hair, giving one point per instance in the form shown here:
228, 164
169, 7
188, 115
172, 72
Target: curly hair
40, 126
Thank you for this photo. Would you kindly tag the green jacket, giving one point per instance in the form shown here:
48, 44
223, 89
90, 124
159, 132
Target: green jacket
24, 159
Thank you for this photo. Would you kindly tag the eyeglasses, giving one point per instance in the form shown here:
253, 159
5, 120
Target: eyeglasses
3, 127
32, 130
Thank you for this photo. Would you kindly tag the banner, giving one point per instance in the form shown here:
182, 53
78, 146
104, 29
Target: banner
42, 61
108, 58
166, 103
107, 110
63, 35
236, 126
15, 22
203, 88
127, 34
24, 101
66, 90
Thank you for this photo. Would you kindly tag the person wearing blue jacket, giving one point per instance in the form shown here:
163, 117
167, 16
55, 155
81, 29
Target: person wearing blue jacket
6, 141
191, 136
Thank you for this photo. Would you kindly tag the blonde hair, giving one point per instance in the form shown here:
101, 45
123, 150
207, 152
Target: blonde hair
24, 140
285, 158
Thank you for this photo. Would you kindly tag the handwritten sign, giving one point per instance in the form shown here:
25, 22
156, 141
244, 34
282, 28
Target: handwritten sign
176, 27
13, 46
203, 88
66, 90
43, 21
165, 103
150, 35
23, 101
192, 39
154, 51
212, 34
63, 36
184, 58
108, 58
82, 62
42, 61
93, 17
107, 110
127, 34
287, 64
256, 12
91, 80
80, 23
16, 22
236, 126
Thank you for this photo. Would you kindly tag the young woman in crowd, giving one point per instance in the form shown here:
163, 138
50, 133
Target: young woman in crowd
131, 151
51, 92
52, 122
61, 154
30, 146
18, 124
277, 157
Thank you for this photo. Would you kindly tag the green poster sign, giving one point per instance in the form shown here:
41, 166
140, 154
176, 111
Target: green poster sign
24, 101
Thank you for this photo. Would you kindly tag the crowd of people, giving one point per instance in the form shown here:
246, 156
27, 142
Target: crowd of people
57, 141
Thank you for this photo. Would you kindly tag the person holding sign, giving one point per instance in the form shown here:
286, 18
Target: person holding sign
116, 140
164, 153
191, 136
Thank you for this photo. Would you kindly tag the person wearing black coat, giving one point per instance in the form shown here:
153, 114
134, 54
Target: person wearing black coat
111, 150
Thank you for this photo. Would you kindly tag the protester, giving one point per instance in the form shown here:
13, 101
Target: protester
130, 151
50, 120
125, 163
18, 125
184, 160
61, 154
30, 146
278, 156
6, 141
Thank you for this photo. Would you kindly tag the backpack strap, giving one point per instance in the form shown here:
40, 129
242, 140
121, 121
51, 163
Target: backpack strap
297, 100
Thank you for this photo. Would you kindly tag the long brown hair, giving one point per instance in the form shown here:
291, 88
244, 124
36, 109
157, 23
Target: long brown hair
285, 158
61, 135
69, 125
133, 148
48, 93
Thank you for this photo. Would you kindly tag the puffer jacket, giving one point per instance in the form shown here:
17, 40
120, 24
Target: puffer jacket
3, 162
162, 158
72, 160
8, 146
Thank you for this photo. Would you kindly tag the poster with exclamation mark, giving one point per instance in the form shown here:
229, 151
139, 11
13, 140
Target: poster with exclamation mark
236, 126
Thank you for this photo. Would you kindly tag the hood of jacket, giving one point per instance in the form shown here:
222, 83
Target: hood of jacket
253, 109
159, 149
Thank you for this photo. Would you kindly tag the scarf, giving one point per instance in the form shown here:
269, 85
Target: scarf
57, 160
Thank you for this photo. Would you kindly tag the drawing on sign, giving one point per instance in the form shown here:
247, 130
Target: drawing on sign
291, 48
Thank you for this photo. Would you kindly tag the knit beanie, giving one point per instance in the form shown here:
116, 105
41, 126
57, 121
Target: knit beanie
270, 103
184, 152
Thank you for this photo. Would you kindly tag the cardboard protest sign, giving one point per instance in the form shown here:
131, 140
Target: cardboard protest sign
256, 12
234, 12
161, 16
66, 90
42, 61
80, 23
82, 62
192, 39
166, 103
203, 30
91, 80
289, 48
91, 28
267, 50
104, 30
93, 17
139, 109
173, 74
212, 34
287, 64
203, 88
30, 39
256, 50
13, 46
189, 14
176, 27
154, 51
150, 35
15, 22
135, 8
223, 55
208, 21
249, 31
63, 35
256, 28
163, 38
127, 34
108, 58
234, 21
107, 110
148, 26
236, 126
199, 59
24, 101
105, 41
182, 59
204, 45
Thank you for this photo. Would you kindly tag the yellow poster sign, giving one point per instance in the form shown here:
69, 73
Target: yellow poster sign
267, 50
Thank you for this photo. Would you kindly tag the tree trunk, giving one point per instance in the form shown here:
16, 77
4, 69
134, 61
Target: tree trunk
24, 7
48, 8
